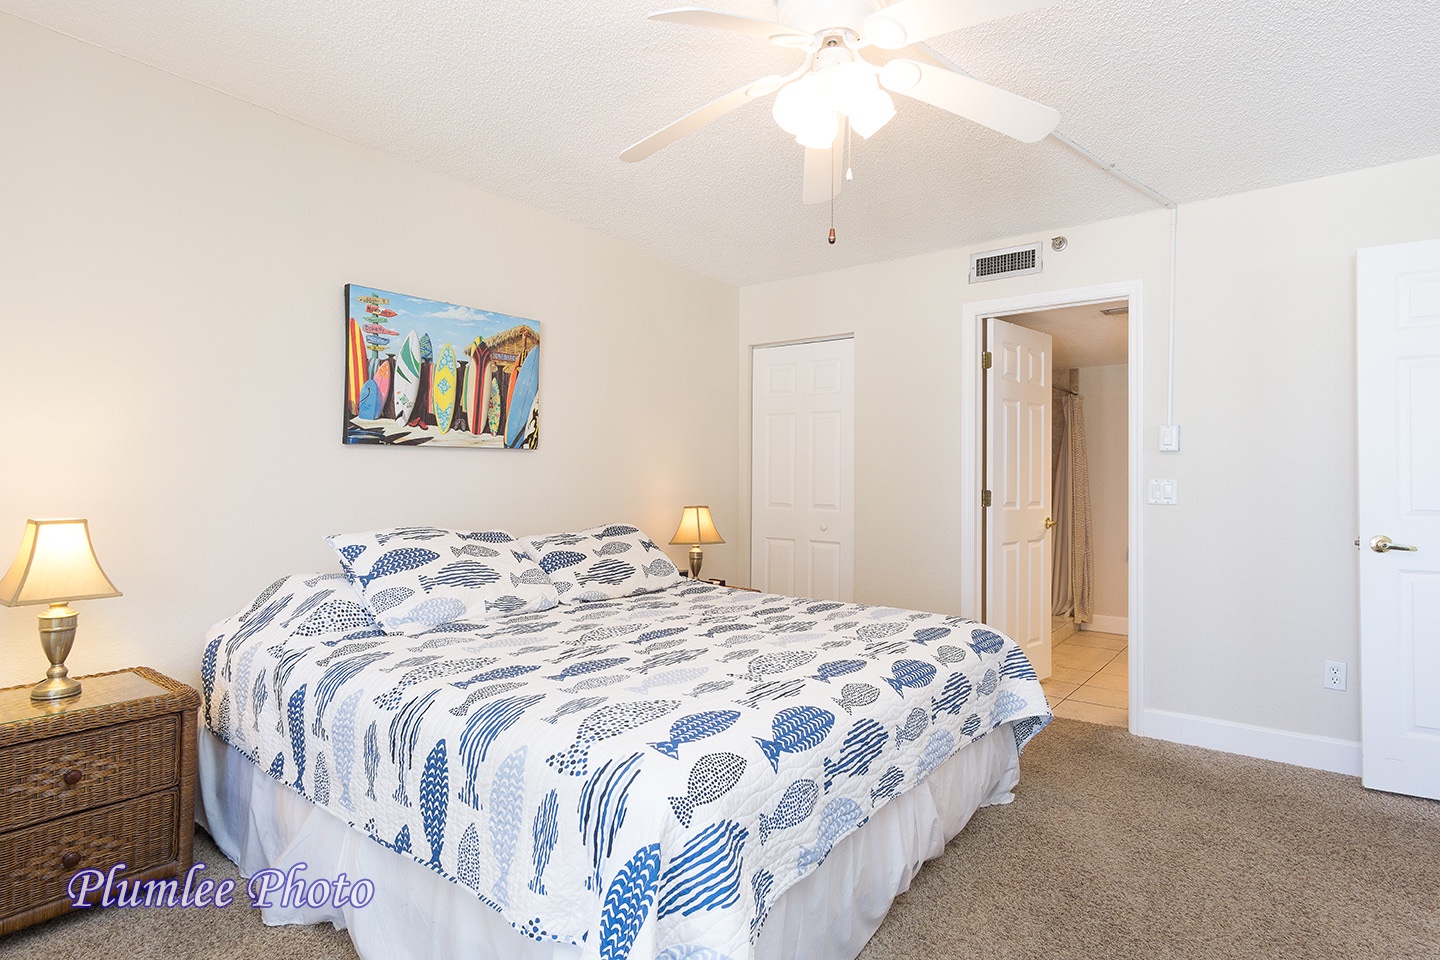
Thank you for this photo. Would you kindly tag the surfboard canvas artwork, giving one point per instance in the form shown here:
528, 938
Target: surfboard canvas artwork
382, 383
357, 368
443, 395
424, 372
470, 395
407, 376
522, 399
369, 401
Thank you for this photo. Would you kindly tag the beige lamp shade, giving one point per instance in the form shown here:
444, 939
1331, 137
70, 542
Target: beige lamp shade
56, 564
696, 527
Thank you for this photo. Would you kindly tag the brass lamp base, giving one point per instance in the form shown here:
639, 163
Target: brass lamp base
55, 688
696, 557
57, 633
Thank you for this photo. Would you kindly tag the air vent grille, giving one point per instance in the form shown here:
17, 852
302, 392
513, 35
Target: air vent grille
1011, 262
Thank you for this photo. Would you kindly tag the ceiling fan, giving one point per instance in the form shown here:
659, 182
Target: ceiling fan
836, 87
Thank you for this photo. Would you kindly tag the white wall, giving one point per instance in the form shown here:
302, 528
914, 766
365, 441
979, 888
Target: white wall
1107, 446
1264, 392
172, 327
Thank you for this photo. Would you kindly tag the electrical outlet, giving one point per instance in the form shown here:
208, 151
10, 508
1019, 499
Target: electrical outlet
1334, 675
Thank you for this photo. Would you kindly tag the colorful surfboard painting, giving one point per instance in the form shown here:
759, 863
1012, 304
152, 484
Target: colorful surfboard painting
407, 377
426, 372
357, 370
444, 392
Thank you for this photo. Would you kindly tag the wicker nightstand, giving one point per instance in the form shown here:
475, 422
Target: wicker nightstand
99, 779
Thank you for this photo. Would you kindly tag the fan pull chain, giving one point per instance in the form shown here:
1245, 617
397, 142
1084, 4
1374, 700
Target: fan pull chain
832, 194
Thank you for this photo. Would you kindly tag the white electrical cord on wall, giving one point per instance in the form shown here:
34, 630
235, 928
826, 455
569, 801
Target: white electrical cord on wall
1170, 376
1136, 185
1174, 209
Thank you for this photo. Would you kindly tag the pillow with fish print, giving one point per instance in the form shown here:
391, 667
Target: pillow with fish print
417, 579
602, 563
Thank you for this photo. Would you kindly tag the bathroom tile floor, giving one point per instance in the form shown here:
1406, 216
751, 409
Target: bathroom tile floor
1090, 678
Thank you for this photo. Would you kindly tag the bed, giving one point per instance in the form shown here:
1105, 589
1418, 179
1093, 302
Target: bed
670, 770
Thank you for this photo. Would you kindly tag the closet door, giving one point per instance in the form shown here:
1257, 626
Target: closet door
802, 533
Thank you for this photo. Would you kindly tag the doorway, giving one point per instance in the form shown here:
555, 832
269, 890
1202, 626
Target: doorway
972, 478
1085, 606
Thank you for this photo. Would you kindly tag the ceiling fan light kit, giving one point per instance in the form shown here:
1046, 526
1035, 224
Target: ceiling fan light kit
810, 107
836, 88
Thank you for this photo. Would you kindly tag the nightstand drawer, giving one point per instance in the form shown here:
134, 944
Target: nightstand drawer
139, 833
107, 765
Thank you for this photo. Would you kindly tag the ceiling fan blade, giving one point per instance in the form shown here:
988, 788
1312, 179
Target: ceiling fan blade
819, 174
1000, 110
911, 21
696, 119
734, 22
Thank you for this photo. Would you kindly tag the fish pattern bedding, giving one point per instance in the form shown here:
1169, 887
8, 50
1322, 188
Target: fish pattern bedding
636, 776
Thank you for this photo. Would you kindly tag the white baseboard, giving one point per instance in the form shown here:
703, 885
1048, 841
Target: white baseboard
1099, 624
1300, 749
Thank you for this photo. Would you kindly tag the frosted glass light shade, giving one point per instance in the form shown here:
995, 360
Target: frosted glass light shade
55, 564
799, 103
809, 109
819, 131
696, 527
871, 111
849, 81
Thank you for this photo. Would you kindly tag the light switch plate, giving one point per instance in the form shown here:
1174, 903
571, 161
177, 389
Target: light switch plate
1162, 492
1170, 438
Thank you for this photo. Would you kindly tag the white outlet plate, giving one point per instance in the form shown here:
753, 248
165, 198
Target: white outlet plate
1334, 675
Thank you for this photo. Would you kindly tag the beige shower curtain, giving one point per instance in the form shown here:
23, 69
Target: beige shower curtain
1074, 563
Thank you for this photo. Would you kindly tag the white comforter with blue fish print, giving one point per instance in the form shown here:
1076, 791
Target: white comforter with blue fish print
643, 777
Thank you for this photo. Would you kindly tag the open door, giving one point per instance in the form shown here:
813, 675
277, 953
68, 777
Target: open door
1398, 384
1017, 458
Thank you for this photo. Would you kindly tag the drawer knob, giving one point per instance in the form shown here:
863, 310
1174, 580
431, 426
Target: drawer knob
70, 861
73, 777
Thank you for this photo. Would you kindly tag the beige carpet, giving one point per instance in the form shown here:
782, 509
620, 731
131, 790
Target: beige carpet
1118, 847
1115, 848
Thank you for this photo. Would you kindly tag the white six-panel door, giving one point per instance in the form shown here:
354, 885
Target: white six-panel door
1398, 393
1017, 456
802, 537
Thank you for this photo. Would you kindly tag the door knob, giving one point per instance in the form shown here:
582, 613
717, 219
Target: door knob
1049, 523
1383, 544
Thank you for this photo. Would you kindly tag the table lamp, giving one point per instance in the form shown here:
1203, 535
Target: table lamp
55, 565
696, 528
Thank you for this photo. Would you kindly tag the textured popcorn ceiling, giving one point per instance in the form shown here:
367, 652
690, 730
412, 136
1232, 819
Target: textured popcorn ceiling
535, 100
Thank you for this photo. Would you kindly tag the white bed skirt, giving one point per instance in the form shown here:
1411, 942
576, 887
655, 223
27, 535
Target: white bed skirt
417, 914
